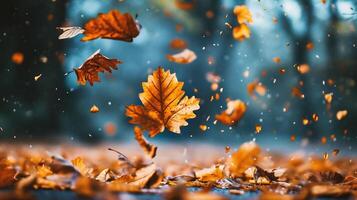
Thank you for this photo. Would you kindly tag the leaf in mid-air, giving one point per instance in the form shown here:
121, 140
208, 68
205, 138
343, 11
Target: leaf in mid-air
164, 104
96, 63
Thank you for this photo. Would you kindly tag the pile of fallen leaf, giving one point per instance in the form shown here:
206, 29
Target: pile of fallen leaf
248, 169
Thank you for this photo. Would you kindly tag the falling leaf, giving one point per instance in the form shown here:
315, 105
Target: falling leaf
292, 138
257, 87
164, 104
341, 114
178, 43
305, 121
243, 14
335, 152
94, 109
37, 77
242, 159
18, 58
323, 140
258, 128
144, 144
96, 63
112, 25
70, 32
234, 112
303, 69
213, 77
185, 5
110, 128
325, 155
241, 32
296, 92
276, 59
315, 117
185, 57
328, 97
309, 46
203, 127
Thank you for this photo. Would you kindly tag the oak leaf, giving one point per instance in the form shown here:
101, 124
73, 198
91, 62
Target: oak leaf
96, 63
164, 104
234, 112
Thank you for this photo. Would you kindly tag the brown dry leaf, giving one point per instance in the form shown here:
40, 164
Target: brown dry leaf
211, 174
81, 167
112, 25
185, 57
243, 14
242, 159
165, 105
146, 177
178, 43
94, 109
144, 144
96, 63
241, 32
234, 112
7, 176
341, 114
105, 175
17, 58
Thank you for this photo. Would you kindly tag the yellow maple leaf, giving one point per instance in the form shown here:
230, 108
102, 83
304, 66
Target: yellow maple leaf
164, 104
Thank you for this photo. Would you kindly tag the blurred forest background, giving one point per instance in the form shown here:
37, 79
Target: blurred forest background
56, 107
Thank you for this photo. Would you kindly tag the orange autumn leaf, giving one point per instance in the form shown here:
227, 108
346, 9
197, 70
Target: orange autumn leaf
303, 69
185, 5
110, 128
17, 58
241, 32
164, 104
185, 57
234, 112
296, 92
94, 109
111, 25
341, 114
276, 59
245, 157
243, 14
178, 43
309, 46
80, 166
144, 144
256, 87
96, 63
7, 176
